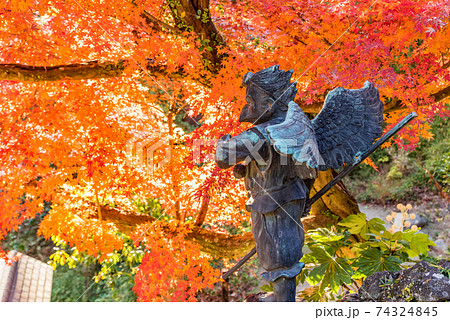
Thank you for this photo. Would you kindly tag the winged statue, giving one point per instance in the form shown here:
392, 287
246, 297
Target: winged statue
280, 155
348, 123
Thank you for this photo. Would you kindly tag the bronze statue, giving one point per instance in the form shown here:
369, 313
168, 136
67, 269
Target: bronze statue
281, 156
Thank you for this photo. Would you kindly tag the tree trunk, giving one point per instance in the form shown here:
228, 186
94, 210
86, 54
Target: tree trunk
334, 206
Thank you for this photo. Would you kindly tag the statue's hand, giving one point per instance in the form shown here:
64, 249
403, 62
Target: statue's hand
225, 138
239, 171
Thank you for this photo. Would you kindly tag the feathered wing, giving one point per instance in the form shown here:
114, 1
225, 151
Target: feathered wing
295, 136
348, 123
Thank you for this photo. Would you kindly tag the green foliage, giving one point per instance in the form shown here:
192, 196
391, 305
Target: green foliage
331, 271
267, 288
444, 172
445, 272
357, 224
394, 173
402, 175
387, 281
75, 284
113, 277
373, 260
69, 285
336, 261
436, 154
150, 206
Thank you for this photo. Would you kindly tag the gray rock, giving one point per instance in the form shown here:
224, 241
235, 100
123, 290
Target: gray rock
373, 287
419, 221
441, 244
422, 282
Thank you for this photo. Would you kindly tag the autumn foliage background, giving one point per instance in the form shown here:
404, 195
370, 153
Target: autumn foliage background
83, 82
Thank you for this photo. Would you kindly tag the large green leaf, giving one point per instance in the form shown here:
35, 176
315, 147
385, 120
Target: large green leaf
354, 222
357, 224
324, 235
329, 237
418, 243
332, 271
308, 259
376, 225
373, 260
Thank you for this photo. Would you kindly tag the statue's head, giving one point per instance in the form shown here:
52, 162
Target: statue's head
269, 92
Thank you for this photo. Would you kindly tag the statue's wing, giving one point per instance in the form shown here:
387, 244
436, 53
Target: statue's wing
348, 123
295, 136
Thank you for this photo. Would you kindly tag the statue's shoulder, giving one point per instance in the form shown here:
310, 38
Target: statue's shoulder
261, 131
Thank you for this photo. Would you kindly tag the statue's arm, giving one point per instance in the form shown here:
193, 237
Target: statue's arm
232, 150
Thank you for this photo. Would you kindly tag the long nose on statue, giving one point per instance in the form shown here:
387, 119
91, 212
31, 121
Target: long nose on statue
245, 113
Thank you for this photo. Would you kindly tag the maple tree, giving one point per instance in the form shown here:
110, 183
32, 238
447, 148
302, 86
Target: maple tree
82, 79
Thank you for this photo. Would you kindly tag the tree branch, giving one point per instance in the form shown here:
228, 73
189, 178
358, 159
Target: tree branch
214, 243
396, 104
442, 94
192, 15
157, 24
203, 211
75, 71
